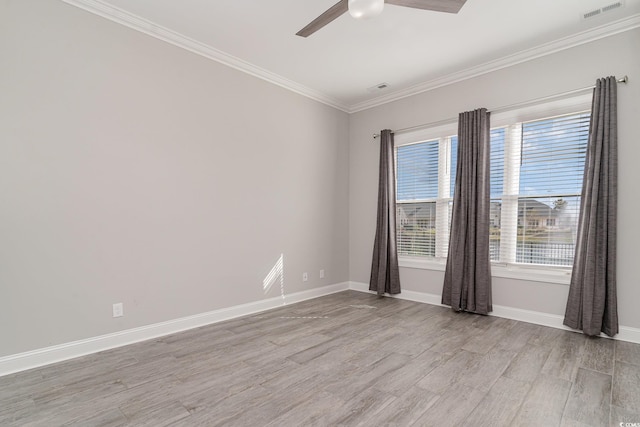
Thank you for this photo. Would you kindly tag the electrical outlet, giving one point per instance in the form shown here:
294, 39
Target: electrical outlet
118, 310
305, 277
322, 273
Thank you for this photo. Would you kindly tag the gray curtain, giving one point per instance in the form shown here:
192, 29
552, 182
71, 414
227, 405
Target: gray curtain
467, 279
592, 305
385, 276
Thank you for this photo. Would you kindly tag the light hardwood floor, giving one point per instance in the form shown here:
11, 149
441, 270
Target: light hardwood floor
345, 359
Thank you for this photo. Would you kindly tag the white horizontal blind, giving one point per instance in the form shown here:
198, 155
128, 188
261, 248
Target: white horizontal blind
542, 182
453, 162
446, 179
416, 228
423, 197
497, 161
497, 145
417, 176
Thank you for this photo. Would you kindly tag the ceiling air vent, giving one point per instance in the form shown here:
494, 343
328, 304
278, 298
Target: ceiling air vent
591, 14
612, 6
602, 10
379, 87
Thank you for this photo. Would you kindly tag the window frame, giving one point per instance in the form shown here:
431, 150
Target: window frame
502, 118
444, 196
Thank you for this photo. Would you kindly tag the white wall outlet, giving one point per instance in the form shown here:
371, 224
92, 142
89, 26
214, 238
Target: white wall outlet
118, 310
305, 277
322, 273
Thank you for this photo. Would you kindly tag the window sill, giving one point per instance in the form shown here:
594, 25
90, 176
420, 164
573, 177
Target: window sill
422, 263
556, 275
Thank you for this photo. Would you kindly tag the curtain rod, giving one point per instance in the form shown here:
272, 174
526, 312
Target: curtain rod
624, 79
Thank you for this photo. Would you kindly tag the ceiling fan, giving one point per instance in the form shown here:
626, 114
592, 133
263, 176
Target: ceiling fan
364, 9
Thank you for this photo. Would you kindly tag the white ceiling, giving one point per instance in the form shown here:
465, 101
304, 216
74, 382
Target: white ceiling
409, 49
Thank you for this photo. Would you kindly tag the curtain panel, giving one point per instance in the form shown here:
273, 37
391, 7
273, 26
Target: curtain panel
592, 303
385, 275
467, 281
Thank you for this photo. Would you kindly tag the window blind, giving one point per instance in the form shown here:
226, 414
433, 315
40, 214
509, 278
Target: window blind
454, 163
542, 182
417, 171
553, 153
423, 191
416, 228
496, 191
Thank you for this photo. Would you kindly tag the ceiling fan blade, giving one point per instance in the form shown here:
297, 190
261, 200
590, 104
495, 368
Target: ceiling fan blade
450, 6
332, 13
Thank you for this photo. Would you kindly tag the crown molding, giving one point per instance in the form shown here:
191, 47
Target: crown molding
98, 7
616, 27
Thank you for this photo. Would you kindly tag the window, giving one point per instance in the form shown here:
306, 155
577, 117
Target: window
536, 181
541, 186
423, 197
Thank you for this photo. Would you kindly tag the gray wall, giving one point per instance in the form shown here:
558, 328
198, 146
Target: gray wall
564, 71
134, 171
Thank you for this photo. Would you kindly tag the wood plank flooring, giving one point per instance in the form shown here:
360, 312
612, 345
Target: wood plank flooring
347, 359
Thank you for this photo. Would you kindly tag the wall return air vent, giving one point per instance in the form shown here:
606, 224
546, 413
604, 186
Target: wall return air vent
604, 9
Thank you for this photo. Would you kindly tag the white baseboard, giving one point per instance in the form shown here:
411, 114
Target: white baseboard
408, 295
45, 356
545, 319
57, 353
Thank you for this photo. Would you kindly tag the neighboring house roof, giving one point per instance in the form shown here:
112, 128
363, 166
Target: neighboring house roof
535, 208
418, 211
526, 208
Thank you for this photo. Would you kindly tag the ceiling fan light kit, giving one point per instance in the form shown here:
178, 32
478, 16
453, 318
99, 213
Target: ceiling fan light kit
365, 9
